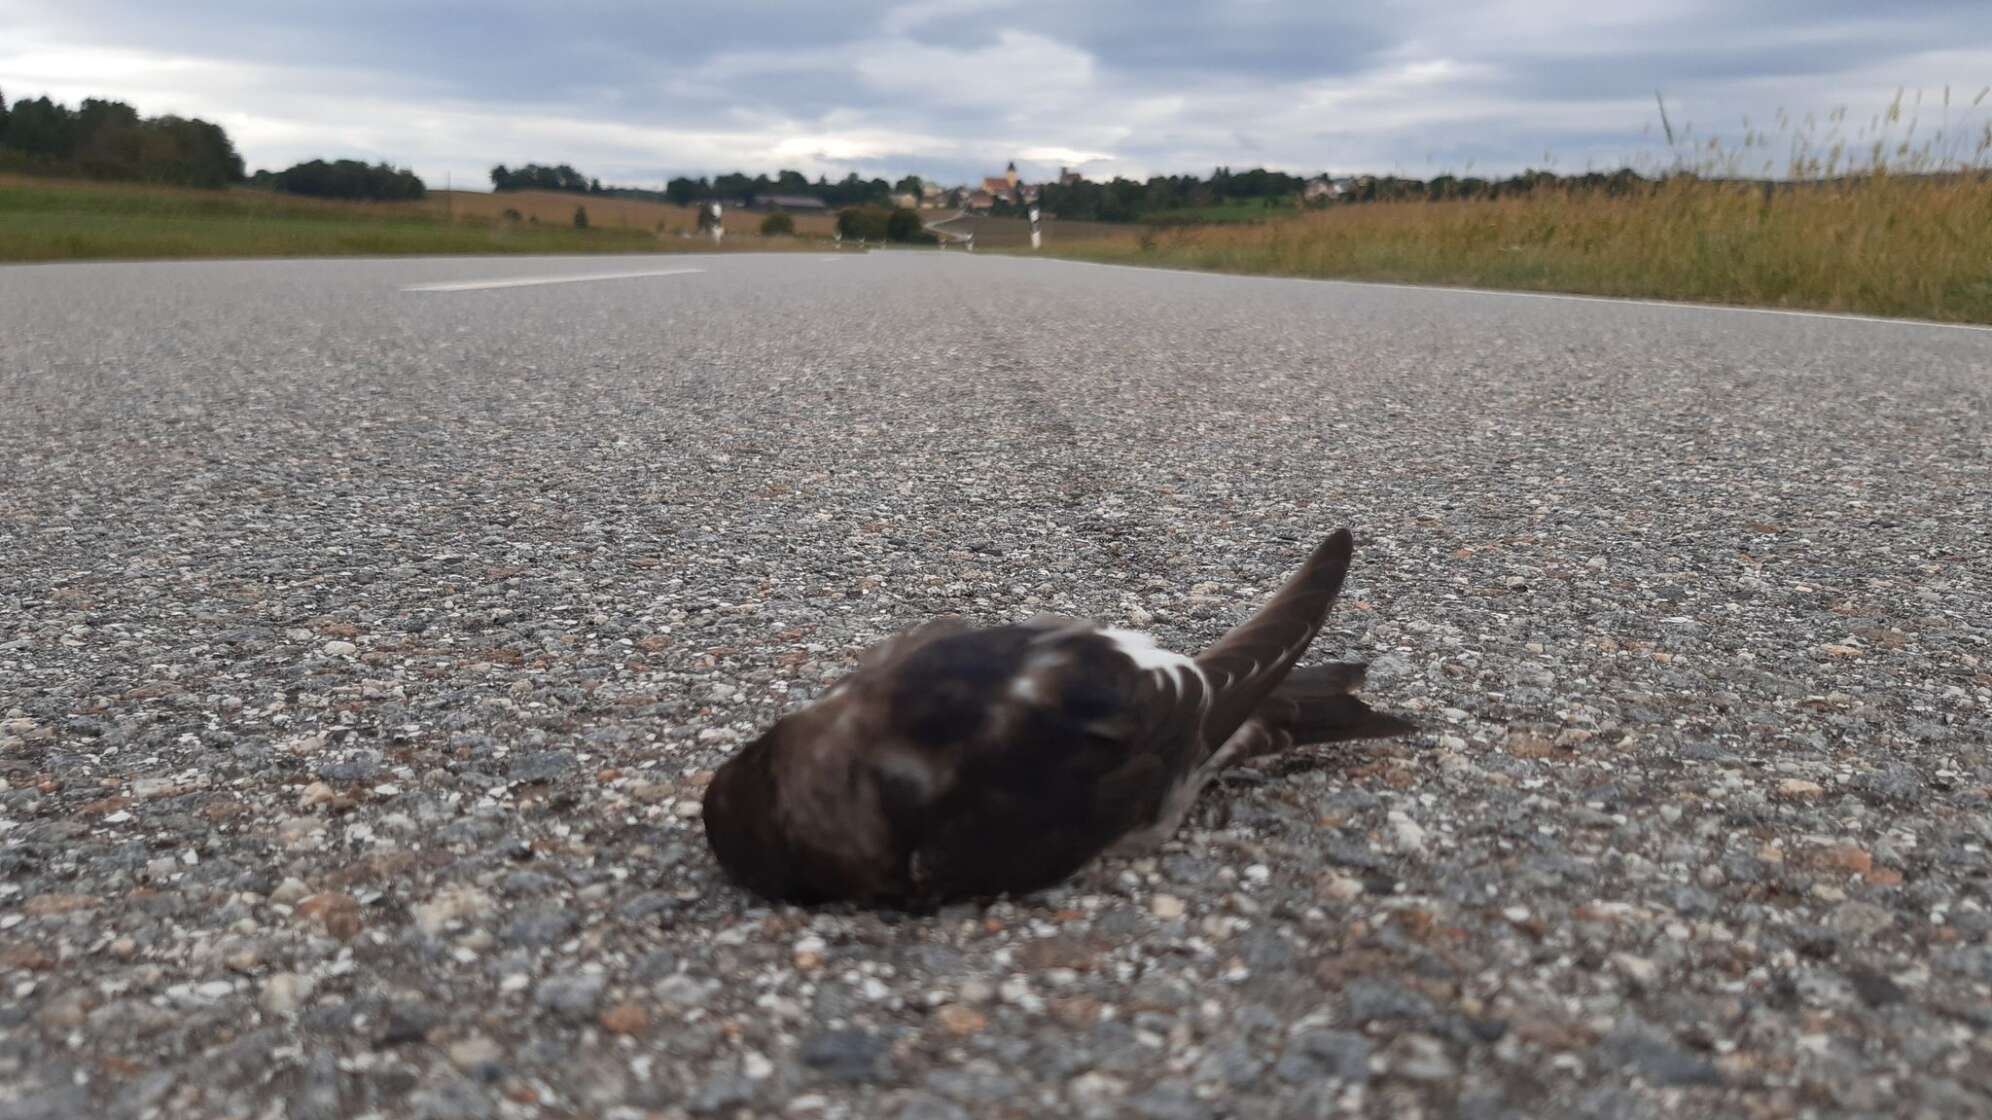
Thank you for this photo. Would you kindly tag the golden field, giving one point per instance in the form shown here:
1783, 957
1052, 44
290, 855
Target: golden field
557, 208
1912, 246
1827, 214
44, 219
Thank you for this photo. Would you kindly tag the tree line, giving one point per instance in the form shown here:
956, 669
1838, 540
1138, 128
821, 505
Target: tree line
1391, 188
344, 178
539, 177
1130, 200
108, 140
102, 139
852, 190
1158, 198
733, 187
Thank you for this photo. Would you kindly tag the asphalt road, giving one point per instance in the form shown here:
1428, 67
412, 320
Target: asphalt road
363, 649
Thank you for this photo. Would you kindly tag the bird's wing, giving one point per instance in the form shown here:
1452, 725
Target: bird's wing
1033, 748
1245, 665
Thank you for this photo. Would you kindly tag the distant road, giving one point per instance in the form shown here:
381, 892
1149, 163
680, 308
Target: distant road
938, 225
1011, 233
367, 626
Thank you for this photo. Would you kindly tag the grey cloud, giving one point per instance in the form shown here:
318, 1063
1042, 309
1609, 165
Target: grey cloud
504, 50
1162, 86
1262, 41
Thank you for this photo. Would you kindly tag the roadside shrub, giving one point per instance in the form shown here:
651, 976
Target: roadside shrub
863, 223
350, 179
903, 225
876, 223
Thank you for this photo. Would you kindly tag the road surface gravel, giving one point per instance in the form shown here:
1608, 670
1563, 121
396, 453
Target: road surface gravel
363, 651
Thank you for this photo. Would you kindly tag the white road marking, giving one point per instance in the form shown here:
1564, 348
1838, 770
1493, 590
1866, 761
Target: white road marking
1669, 304
529, 281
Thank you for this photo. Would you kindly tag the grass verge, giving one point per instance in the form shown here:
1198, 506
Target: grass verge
609, 212
1879, 244
1230, 210
44, 220
1863, 219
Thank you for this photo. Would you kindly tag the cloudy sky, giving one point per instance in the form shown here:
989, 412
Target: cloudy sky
634, 92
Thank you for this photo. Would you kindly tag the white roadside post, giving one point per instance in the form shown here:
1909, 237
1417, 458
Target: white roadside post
1037, 239
968, 243
718, 230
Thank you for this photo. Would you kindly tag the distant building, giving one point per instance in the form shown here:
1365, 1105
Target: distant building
906, 199
1067, 177
979, 200
1003, 186
1322, 189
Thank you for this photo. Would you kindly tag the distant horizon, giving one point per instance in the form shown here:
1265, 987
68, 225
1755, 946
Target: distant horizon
483, 184
950, 90
253, 170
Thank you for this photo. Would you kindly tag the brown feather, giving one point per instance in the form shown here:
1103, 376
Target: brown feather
1246, 664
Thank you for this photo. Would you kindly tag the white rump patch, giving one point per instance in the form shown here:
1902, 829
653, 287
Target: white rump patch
1025, 688
1149, 657
1029, 685
909, 769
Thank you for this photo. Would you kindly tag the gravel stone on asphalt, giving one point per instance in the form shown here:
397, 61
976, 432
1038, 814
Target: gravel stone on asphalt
364, 654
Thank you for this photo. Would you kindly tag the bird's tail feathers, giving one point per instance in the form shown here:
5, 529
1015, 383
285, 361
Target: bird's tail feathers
1316, 704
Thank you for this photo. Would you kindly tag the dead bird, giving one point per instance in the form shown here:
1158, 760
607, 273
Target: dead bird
957, 763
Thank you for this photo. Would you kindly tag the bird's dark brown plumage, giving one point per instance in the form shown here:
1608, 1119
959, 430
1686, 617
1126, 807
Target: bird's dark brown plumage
957, 762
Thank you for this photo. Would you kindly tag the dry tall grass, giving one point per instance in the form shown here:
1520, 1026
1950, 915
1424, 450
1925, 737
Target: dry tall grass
1886, 245
1872, 222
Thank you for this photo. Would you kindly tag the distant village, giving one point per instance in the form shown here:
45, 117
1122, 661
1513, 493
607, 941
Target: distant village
1006, 187
1010, 189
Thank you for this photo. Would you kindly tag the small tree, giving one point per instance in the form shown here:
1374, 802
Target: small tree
682, 191
863, 223
348, 178
580, 217
903, 225
777, 224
